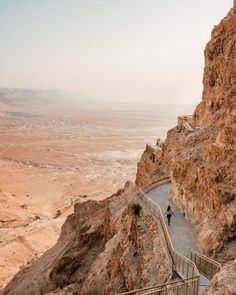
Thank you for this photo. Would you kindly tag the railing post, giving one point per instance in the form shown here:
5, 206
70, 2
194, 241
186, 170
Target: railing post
197, 285
187, 270
180, 262
200, 262
186, 290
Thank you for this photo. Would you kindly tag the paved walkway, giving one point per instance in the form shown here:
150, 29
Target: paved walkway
182, 232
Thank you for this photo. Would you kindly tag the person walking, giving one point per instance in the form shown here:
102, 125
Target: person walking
169, 213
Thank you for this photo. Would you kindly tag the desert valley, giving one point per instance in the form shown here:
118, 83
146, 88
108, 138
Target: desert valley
52, 157
131, 199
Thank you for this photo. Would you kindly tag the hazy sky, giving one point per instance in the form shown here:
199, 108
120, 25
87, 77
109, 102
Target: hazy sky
116, 50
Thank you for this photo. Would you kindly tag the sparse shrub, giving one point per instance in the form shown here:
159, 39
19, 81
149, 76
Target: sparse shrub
136, 208
58, 214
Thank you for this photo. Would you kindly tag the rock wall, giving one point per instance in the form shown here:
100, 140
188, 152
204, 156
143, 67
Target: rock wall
107, 246
202, 163
103, 245
224, 282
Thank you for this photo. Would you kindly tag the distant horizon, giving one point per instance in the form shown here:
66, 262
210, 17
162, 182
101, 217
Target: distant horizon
108, 103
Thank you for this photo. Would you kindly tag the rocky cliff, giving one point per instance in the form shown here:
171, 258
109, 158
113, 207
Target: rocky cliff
201, 161
224, 282
107, 245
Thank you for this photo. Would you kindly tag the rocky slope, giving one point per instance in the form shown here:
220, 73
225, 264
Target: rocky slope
50, 159
201, 163
224, 282
103, 245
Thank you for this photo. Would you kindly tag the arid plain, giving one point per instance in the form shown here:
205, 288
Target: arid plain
51, 158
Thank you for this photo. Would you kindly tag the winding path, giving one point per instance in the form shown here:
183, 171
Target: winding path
182, 232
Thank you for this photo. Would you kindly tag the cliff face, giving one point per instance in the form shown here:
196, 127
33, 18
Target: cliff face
103, 245
201, 162
219, 81
224, 282
107, 246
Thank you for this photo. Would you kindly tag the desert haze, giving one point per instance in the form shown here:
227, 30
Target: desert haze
52, 156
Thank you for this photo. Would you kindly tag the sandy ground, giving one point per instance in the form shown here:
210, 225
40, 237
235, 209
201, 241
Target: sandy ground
50, 160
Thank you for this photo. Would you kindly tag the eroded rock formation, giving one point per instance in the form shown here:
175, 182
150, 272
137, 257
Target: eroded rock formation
201, 163
224, 282
103, 245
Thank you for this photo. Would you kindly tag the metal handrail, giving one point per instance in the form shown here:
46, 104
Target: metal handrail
186, 269
183, 266
156, 183
207, 266
167, 287
177, 257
